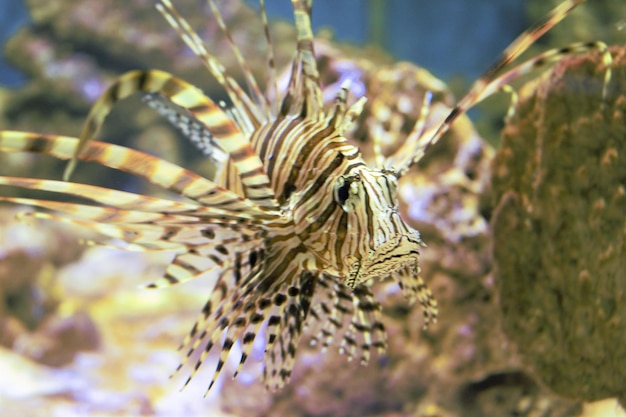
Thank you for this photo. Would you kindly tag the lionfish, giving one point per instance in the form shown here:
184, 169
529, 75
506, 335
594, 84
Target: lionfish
294, 212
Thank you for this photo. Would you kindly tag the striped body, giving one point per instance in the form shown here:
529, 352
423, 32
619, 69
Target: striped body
305, 161
294, 223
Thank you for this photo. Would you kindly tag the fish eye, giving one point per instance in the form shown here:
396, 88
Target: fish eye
345, 192
342, 193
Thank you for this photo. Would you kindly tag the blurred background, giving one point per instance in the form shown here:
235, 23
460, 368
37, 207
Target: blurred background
78, 336
448, 37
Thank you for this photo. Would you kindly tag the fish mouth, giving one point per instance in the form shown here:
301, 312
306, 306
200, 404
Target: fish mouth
391, 257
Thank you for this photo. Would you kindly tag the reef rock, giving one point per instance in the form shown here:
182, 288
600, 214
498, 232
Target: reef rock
560, 227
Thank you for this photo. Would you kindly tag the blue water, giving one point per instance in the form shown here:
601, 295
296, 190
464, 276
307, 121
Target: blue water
448, 37
13, 15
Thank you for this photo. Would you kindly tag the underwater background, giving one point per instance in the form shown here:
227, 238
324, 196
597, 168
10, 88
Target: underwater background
78, 336
449, 37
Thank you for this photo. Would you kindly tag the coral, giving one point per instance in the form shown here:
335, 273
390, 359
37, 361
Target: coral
34, 321
559, 228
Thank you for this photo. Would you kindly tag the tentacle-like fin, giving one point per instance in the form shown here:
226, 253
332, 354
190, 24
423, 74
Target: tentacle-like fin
354, 315
332, 303
414, 288
100, 214
304, 96
272, 84
114, 198
226, 132
366, 326
165, 174
237, 95
253, 87
224, 314
293, 303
